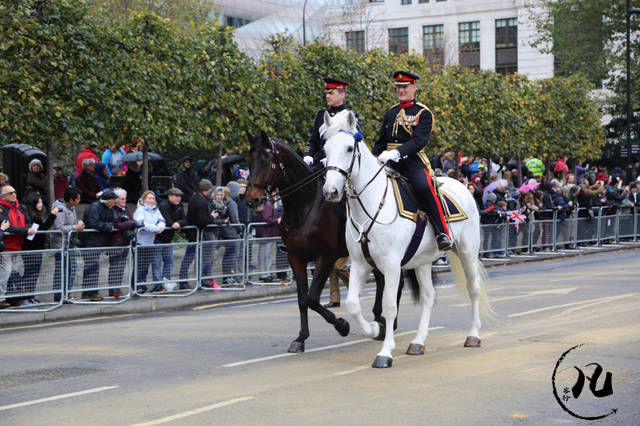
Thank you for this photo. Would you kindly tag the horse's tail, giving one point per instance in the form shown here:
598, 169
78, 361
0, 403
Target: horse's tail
460, 278
414, 285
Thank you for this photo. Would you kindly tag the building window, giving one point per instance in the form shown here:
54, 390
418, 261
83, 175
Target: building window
469, 44
236, 22
433, 44
405, 1
355, 41
376, 1
507, 45
398, 40
423, 1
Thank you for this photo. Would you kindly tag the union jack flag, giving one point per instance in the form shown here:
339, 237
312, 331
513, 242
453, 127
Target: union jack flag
516, 217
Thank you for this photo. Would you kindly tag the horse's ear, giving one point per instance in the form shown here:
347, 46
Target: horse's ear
263, 136
351, 121
327, 118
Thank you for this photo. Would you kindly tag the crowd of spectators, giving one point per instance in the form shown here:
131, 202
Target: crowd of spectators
106, 196
501, 189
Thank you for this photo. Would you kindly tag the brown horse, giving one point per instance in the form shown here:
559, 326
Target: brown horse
312, 229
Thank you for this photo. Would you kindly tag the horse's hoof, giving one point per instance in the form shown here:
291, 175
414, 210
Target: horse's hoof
472, 342
296, 347
382, 362
415, 349
382, 332
342, 326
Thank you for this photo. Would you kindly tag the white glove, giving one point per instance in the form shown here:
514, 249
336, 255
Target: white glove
308, 159
324, 162
390, 155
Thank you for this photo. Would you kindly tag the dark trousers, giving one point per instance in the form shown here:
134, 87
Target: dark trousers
117, 262
90, 271
423, 187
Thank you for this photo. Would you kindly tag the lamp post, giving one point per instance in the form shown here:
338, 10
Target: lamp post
630, 11
304, 26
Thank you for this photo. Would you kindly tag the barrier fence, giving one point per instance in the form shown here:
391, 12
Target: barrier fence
229, 256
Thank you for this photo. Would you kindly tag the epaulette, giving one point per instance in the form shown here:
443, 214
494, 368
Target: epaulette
422, 105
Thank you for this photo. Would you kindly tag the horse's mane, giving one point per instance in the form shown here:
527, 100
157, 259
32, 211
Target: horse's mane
292, 153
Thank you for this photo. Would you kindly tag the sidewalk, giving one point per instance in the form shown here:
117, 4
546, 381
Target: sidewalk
141, 305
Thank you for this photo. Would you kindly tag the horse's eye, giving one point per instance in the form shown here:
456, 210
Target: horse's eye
350, 149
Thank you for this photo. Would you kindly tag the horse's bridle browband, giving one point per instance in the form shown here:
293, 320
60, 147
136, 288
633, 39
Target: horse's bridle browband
289, 190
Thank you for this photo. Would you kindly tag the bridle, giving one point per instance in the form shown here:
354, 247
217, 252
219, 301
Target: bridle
273, 167
352, 193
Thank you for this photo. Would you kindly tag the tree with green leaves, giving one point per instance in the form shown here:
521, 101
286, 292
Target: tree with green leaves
588, 37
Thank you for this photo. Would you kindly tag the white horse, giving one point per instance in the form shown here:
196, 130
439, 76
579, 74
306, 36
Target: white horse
351, 165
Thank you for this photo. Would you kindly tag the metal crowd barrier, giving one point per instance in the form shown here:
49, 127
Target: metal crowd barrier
264, 259
34, 275
96, 269
56, 274
174, 266
222, 260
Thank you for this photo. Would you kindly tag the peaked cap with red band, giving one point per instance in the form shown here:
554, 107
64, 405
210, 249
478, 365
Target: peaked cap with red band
332, 83
404, 78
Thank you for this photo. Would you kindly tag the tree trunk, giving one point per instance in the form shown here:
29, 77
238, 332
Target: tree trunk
219, 167
49, 172
145, 166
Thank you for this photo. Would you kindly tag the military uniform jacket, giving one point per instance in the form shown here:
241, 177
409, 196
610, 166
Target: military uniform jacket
407, 130
316, 144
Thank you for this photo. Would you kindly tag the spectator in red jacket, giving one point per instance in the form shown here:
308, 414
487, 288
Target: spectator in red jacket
87, 182
87, 152
19, 227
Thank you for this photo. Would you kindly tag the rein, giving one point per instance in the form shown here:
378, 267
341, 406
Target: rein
355, 194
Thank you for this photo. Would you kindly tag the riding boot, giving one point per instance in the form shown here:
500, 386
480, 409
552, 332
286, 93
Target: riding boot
432, 206
442, 239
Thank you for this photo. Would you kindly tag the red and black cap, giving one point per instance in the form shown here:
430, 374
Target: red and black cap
404, 78
332, 83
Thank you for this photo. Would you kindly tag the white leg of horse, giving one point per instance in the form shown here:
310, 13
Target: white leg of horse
427, 297
357, 278
389, 311
471, 270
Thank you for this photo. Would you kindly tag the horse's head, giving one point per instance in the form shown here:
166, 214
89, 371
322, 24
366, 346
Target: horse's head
263, 176
341, 148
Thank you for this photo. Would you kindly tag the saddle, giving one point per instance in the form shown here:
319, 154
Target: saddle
408, 206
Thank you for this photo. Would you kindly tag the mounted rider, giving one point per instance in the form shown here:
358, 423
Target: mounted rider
405, 131
336, 90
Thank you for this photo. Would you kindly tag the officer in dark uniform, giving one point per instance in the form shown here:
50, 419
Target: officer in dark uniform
405, 132
336, 91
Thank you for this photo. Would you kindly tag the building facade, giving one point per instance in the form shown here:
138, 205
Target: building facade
486, 34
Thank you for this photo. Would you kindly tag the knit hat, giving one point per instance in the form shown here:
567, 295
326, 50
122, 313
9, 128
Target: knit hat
205, 185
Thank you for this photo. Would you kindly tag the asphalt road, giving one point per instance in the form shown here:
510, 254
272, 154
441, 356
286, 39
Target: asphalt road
227, 364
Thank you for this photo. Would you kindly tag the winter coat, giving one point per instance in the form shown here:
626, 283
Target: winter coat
108, 156
20, 222
66, 221
171, 213
100, 217
60, 184
270, 215
243, 210
132, 183
150, 221
88, 184
186, 182
39, 240
125, 226
101, 176
84, 154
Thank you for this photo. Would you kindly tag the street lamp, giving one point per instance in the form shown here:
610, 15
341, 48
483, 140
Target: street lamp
630, 11
304, 27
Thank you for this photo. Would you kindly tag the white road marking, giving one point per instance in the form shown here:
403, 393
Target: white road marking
577, 308
528, 294
354, 370
57, 397
196, 411
267, 303
322, 348
602, 299
595, 274
50, 324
